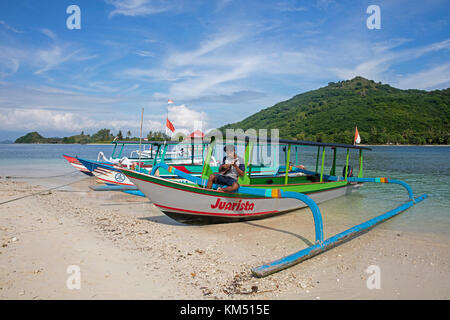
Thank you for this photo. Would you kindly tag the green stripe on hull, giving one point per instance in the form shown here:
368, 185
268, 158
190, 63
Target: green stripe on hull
305, 188
254, 181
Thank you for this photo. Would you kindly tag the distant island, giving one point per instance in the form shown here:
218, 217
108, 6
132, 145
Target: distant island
101, 136
383, 115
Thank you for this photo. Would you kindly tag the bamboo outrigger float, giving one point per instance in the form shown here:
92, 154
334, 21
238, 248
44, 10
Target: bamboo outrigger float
258, 198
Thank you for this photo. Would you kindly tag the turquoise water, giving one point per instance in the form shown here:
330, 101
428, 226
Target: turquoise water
426, 169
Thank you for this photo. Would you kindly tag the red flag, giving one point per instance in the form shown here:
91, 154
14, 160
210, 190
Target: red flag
170, 125
357, 137
169, 101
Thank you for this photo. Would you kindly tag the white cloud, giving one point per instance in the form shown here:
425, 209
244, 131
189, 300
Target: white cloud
47, 120
50, 98
289, 6
375, 63
206, 47
137, 7
426, 79
221, 4
50, 58
371, 69
212, 82
8, 66
20, 119
144, 53
184, 118
49, 33
57, 54
157, 74
42, 59
9, 27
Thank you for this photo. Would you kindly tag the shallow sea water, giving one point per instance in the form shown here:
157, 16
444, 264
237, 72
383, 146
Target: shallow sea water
425, 168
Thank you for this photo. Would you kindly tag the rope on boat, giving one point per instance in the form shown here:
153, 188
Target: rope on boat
40, 192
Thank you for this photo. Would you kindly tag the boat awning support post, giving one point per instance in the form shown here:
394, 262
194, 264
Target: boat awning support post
114, 150
323, 164
317, 159
288, 158
121, 150
346, 164
360, 173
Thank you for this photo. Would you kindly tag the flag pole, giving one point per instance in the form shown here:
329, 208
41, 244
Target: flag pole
140, 139
169, 101
167, 118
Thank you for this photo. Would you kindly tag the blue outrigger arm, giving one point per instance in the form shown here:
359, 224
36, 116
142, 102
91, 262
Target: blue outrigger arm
320, 245
331, 242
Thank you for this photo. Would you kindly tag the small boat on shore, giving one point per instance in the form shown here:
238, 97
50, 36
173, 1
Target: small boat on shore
192, 203
264, 196
189, 153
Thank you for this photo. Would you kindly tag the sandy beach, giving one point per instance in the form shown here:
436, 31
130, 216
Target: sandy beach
125, 248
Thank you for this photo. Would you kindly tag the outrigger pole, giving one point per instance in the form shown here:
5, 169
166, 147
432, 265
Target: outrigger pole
320, 245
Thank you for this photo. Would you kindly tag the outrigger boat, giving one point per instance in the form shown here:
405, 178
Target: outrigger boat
189, 153
193, 203
264, 196
109, 172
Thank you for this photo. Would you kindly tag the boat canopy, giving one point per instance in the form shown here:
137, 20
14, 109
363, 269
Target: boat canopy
291, 142
208, 140
251, 141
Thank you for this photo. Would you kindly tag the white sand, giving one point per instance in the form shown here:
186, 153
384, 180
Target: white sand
127, 249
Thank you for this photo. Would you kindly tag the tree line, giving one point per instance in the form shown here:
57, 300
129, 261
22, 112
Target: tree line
101, 136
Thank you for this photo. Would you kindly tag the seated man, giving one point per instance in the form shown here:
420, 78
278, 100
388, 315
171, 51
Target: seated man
229, 172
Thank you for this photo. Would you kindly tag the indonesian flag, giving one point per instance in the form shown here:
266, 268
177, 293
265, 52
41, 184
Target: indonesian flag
169, 125
357, 137
169, 101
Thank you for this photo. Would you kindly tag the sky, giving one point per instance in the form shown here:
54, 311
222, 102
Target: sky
218, 60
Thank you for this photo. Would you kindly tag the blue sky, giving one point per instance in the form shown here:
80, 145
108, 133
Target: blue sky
219, 61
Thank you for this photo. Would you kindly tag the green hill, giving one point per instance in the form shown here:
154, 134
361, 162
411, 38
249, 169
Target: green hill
35, 137
383, 114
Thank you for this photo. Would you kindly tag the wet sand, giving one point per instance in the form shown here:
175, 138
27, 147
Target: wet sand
126, 248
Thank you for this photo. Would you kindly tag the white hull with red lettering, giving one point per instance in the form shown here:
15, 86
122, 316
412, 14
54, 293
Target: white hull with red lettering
192, 204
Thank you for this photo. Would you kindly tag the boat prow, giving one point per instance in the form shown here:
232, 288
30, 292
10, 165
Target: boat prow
77, 164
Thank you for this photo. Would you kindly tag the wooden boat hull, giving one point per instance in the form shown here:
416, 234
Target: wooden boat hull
191, 204
113, 176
